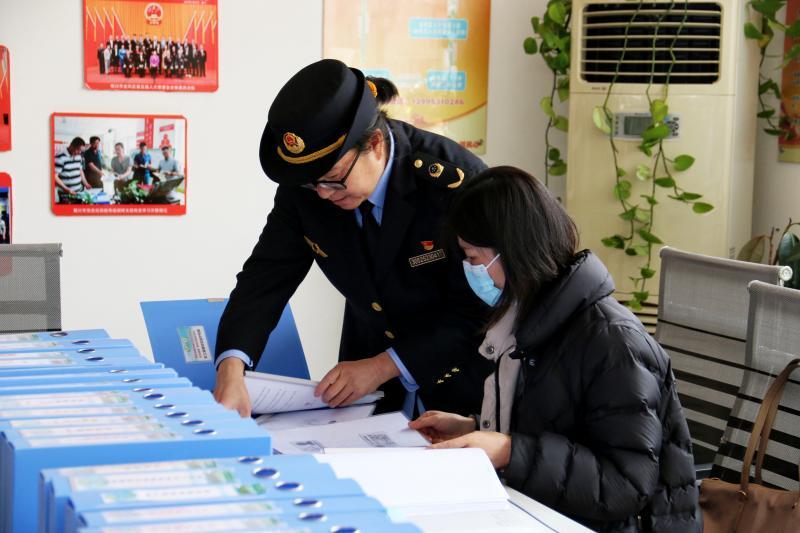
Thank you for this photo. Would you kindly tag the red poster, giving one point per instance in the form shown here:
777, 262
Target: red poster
118, 164
5, 99
169, 45
789, 141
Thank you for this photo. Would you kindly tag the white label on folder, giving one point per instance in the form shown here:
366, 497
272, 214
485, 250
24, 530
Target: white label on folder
206, 526
88, 430
22, 337
54, 361
46, 386
30, 355
190, 511
28, 345
81, 421
180, 494
131, 468
195, 344
58, 400
38, 413
103, 439
152, 480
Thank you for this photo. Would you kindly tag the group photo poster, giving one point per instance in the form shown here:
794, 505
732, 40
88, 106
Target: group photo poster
169, 45
5, 208
789, 140
5, 99
118, 164
435, 51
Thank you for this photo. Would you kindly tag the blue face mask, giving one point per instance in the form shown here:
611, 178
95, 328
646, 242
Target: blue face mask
481, 282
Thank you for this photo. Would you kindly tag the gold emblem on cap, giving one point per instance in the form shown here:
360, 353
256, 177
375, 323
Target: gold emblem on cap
435, 170
418, 163
372, 88
293, 142
315, 247
456, 184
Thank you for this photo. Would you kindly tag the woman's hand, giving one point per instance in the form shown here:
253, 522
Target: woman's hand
496, 445
349, 381
230, 389
437, 426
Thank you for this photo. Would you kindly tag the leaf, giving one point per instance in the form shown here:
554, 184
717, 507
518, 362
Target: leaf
563, 89
650, 199
647, 273
767, 113
561, 123
683, 162
770, 86
793, 31
702, 207
546, 104
768, 8
667, 183
630, 214
554, 154
630, 251
643, 172
559, 168
790, 56
643, 216
558, 12
641, 296
649, 237
773, 131
535, 24
621, 172
601, 120
561, 62
753, 250
787, 247
751, 32
530, 46
656, 133
641, 249
690, 196
659, 110
622, 190
615, 241
646, 149
634, 304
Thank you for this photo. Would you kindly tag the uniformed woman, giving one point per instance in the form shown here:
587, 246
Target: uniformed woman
364, 196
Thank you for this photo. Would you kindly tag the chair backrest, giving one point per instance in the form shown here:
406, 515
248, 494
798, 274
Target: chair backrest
30, 287
773, 340
702, 324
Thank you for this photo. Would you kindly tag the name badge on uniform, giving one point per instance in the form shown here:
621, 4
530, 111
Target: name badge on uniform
424, 259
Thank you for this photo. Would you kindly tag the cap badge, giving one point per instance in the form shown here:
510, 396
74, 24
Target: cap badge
456, 184
293, 143
435, 170
427, 245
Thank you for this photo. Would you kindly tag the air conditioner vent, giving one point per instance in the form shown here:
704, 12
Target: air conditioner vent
637, 42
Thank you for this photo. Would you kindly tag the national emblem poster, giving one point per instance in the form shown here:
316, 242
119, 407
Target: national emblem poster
169, 45
435, 51
789, 140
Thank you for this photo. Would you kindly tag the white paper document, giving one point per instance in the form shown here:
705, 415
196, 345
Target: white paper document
388, 430
314, 417
270, 393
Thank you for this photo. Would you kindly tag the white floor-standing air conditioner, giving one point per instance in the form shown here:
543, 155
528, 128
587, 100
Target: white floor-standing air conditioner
712, 112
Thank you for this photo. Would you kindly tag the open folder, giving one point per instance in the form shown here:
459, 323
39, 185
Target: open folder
270, 393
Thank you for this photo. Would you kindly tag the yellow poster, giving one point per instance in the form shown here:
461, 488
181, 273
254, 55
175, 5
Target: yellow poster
789, 141
435, 51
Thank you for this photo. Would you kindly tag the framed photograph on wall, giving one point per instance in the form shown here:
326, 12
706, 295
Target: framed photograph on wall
169, 45
5, 99
5, 208
118, 164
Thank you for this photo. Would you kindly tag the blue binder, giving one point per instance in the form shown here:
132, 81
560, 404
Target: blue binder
183, 334
40, 336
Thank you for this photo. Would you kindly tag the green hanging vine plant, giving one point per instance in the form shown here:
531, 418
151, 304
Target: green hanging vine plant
552, 41
762, 27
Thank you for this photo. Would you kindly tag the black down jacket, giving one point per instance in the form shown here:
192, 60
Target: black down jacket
597, 430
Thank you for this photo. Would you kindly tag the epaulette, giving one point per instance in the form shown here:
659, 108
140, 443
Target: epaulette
442, 173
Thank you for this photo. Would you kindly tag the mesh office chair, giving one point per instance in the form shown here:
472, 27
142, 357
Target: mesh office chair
702, 324
773, 340
30, 287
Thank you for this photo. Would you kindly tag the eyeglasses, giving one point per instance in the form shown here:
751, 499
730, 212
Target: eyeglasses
334, 185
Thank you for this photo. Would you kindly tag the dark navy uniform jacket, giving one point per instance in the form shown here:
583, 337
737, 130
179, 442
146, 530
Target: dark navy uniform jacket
417, 301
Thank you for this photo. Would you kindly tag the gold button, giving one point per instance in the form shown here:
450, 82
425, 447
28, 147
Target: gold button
418, 163
389, 334
377, 307
455, 370
439, 381
448, 376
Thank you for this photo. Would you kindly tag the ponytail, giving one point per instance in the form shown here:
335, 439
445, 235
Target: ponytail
384, 92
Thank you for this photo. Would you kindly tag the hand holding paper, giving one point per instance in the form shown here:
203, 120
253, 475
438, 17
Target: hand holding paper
349, 381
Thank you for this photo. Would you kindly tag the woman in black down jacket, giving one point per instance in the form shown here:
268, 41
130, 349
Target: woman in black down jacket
589, 419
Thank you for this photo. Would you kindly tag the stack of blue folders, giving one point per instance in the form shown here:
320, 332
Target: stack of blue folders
95, 437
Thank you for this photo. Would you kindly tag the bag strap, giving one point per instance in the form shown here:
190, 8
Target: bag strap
762, 427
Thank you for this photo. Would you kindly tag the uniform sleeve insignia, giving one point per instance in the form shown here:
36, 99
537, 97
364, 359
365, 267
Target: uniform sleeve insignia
434, 170
315, 247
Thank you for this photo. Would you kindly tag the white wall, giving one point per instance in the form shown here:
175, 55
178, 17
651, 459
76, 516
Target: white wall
110, 264
777, 185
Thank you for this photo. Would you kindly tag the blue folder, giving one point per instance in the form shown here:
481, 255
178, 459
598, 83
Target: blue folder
183, 335
40, 336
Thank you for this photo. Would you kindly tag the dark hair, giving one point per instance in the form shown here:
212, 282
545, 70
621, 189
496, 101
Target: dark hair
142, 144
93, 138
120, 145
77, 142
386, 92
510, 211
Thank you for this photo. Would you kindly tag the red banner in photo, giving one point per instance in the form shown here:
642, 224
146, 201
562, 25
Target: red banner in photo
5, 99
141, 45
105, 164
